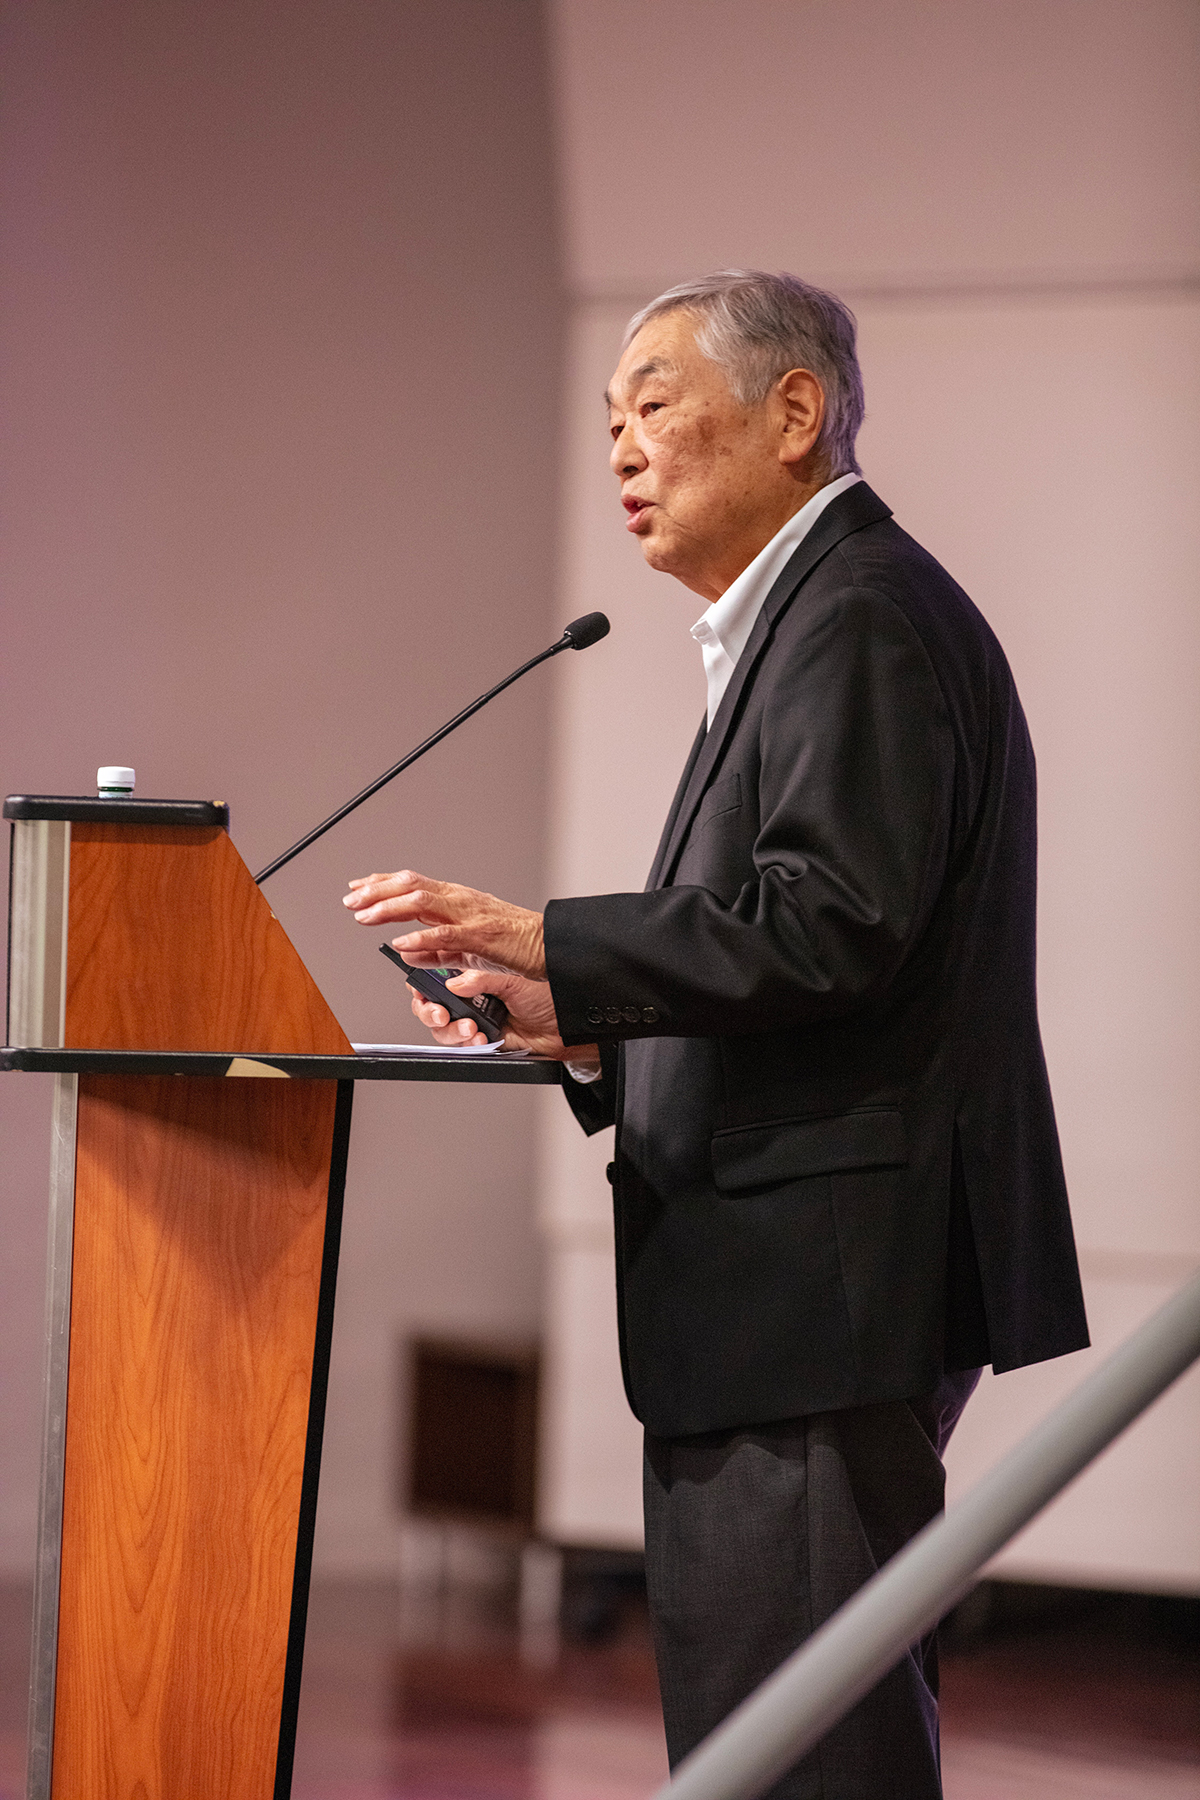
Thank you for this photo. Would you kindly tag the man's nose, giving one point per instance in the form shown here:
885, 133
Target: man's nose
626, 458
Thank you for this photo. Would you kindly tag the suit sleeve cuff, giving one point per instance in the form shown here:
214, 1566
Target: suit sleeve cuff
592, 1002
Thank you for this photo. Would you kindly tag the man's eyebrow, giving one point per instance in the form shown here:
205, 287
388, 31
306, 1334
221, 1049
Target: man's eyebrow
657, 365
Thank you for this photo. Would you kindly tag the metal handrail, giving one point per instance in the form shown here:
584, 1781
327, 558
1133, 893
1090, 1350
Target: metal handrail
794, 1708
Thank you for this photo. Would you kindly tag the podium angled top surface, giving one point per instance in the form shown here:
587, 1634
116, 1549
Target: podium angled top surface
502, 1070
87, 809
141, 945
135, 925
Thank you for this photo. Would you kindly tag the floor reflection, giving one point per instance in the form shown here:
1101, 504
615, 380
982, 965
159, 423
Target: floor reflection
1046, 1697
440, 1697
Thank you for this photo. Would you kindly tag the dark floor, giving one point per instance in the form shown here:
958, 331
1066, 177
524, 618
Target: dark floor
1046, 1696
1092, 1674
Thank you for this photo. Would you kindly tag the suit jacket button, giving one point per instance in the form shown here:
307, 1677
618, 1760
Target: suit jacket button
632, 1016
613, 1014
595, 1016
649, 1015
610, 1174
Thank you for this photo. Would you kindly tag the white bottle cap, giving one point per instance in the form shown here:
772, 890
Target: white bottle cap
114, 781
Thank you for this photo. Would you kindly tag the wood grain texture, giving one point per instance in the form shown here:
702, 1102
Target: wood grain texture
171, 946
199, 1230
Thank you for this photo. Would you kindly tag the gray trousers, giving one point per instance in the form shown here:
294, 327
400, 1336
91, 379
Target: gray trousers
755, 1537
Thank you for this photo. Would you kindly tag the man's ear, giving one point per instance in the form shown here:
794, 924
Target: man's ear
802, 399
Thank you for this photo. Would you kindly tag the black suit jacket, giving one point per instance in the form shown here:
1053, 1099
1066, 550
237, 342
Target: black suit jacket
837, 1171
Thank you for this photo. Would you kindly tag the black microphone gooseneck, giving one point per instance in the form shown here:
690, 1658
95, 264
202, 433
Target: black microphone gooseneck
578, 635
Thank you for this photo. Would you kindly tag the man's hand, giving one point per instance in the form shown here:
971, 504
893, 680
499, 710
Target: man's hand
531, 1021
457, 924
498, 946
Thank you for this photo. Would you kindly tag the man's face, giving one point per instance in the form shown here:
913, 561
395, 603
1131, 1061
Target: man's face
701, 478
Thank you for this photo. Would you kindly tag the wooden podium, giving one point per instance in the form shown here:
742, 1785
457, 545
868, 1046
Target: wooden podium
201, 1123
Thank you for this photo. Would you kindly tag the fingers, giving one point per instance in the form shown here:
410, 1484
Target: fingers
506, 936
432, 942
449, 921
487, 981
401, 892
442, 1027
432, 1016
375, 906
532, 1024
363, 886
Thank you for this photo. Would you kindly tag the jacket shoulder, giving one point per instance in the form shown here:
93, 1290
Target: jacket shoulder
883, 557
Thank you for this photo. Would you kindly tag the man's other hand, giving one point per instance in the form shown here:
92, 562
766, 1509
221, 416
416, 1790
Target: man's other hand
531, 1021
456, 924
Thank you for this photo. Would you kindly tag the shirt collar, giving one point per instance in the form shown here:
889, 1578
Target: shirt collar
731, 618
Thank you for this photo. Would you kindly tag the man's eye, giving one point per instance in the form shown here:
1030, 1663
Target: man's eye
653, 406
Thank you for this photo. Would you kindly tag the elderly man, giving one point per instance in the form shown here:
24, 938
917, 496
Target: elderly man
837, 1181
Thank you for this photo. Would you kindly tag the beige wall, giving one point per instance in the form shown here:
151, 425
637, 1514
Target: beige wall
1007, 195
282, 330
894, 144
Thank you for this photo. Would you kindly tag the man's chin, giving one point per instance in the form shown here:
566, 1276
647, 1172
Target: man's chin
659, 552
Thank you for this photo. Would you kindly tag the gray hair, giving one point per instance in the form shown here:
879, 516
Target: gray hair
756, 327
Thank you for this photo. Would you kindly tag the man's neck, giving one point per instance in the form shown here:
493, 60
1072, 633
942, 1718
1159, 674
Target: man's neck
718, 581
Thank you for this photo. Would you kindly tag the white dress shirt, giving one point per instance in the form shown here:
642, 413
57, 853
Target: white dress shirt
724, 630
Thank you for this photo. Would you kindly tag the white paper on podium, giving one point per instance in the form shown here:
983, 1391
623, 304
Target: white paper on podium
432, 1049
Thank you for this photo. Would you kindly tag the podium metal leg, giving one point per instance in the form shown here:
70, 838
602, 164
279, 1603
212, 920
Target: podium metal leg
194, 1237
54, 1437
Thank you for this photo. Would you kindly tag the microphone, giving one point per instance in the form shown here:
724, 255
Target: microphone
581, 634
578, 635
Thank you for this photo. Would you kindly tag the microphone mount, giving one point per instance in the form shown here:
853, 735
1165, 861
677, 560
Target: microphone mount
578, 635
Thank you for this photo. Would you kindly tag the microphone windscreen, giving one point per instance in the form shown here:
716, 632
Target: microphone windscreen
588, 630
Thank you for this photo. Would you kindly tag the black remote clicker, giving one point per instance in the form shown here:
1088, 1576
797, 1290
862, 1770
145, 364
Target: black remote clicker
485, 1012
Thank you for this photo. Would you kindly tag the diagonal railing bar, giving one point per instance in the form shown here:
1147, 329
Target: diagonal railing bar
794, 1708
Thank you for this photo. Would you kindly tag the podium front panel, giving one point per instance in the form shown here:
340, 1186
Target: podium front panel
202, 1225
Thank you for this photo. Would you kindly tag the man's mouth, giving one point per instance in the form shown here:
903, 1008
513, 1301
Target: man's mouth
635, 510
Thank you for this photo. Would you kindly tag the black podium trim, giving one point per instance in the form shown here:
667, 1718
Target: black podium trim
318, 1392
94, 811
502, 1069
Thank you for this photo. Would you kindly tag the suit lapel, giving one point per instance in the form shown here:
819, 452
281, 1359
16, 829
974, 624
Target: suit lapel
850, 512
680, 791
